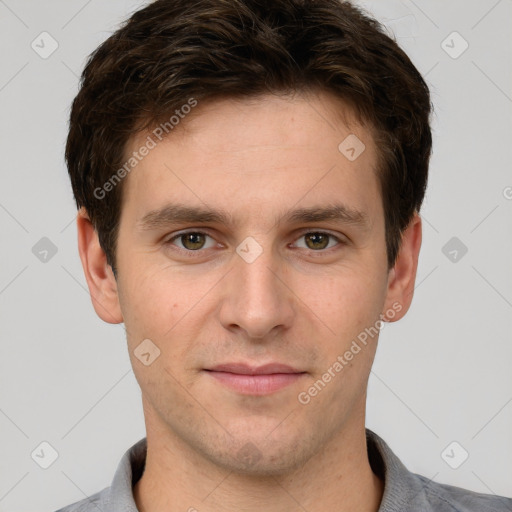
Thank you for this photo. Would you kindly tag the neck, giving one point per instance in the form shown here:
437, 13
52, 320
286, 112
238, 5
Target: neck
339, 477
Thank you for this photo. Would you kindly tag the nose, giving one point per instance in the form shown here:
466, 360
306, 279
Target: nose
256, 298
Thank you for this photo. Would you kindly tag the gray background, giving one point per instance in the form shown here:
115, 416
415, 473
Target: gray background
442, 374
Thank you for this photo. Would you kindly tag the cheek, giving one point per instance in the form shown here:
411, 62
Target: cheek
350, 306
161, 310
345, 302
163, 305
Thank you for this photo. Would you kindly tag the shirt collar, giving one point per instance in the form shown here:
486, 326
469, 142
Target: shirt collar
401, 487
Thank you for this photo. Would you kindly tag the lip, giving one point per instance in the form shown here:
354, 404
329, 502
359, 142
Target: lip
247, 369
255, 380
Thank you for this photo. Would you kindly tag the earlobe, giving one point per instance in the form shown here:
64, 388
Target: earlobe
402, 276
98, 273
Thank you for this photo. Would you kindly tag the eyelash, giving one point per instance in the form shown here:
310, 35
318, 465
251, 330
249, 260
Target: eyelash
192, 253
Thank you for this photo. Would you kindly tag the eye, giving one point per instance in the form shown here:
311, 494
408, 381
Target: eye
192, 241
318, 240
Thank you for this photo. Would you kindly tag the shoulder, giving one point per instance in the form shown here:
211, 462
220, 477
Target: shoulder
405, 491
119, 495
91, 504
448, 498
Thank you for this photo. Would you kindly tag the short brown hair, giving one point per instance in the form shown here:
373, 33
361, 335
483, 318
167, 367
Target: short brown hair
174, 50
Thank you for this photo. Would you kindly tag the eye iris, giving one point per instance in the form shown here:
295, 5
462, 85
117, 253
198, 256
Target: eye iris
192, 241
319, 240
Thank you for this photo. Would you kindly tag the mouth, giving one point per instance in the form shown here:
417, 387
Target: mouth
255, 380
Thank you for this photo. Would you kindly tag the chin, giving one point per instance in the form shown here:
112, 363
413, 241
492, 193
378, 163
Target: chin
257, 456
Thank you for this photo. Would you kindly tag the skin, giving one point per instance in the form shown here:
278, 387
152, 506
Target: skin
297, 305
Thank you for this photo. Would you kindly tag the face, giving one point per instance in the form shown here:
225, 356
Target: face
251, 253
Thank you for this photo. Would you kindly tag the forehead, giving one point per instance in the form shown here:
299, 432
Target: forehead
241, 154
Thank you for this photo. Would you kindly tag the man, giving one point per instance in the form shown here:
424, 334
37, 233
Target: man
249, 176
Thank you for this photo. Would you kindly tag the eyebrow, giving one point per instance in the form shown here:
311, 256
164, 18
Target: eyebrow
179, 213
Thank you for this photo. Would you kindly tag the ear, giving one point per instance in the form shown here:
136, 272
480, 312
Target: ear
98, 273
402, 277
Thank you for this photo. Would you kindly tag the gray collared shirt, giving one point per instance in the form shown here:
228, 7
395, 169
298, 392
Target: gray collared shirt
403, 491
